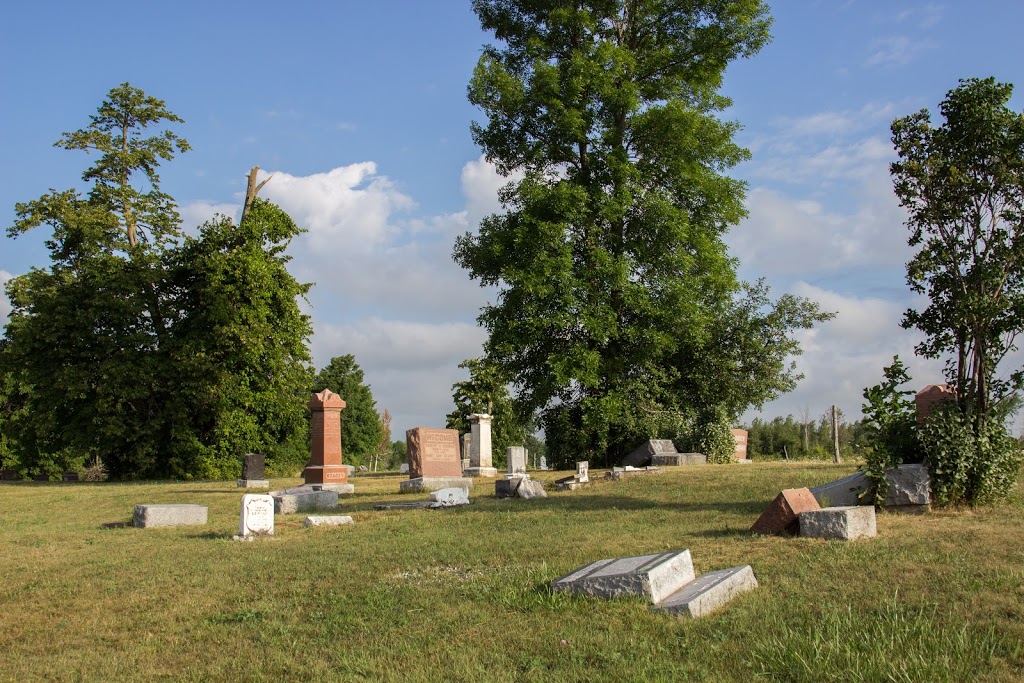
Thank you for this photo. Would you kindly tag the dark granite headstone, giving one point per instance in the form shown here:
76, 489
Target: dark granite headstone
253, 466
8, 475
70, 476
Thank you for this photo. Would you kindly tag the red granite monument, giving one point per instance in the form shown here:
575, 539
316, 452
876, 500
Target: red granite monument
325, 466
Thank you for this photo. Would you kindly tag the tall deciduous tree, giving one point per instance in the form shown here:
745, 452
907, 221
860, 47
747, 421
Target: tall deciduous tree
962, 184
360, 423
614, 281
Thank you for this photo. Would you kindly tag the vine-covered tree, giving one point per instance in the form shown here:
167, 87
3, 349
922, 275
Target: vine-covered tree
614, 283
962, 184
360, 423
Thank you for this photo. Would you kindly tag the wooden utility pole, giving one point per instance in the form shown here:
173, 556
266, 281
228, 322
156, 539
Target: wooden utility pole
835, 433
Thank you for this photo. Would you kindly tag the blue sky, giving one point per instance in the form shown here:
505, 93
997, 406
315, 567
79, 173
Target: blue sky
359, 111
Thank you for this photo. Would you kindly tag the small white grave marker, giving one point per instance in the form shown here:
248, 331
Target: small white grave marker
583, 471
257, 516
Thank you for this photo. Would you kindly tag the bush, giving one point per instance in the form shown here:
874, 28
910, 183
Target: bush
890, 421
969, 468
713, 437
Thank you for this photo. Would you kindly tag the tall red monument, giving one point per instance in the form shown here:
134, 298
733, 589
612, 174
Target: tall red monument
325, 466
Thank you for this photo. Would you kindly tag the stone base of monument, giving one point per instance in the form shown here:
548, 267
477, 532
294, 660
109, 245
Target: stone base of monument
839, 523
253, 483
420, 484
709, 592
666, 580
490, 472
150, 516
743, 461
289, 502
677, 459
342, 490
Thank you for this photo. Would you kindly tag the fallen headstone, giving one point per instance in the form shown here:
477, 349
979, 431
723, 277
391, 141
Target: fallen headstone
845, 523
573, 482
909, 489
257, 517
783, 513
654, 577
678, 459
709, 591
531, 488
451, 496
328, 520
521, 486
618, 473
841, 492
291, 501
151, 516
643, 454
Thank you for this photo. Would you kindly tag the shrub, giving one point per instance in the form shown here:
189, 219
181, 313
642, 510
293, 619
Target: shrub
713, 437
890, 421
968, 467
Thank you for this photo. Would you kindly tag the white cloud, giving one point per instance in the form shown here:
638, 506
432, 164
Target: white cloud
895, 51
195, 213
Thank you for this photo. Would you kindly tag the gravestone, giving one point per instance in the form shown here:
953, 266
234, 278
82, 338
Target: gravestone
740, 437
515, 456
328, 520
150, 516
403, 468
480, 456
840, 523
709, 592
325, 468
909, 489
304, 499
783, 513
654, 577
9, 475
434, 461
647, 450
583, 471
466, 444
932, 395
253, 477
841, 492
451, 496
70, 476
543, 463
257, 517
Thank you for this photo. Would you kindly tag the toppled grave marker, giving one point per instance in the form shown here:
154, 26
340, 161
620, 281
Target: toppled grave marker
783, 514
328, 520
647, 450
618, 473
303, 499
709, 592
150, 516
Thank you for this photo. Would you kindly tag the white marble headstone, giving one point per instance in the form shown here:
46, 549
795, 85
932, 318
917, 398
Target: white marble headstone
257, 516
583, 471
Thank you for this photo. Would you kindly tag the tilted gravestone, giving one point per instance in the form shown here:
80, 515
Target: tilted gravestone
783, 513
647, 450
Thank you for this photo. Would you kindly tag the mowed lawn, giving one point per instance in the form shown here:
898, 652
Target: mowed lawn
461, 594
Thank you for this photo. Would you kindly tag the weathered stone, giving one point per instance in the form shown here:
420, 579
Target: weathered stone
618, 473
480, 456
839, 523
653, 577
325, 457
909, 485
420, 484
253, 466
543, 463
289, 503
328, 520
364, 468
783, 514
253, 483
531, 488
645, 451
569, 484
583, 471
150, 516
507, 487
740, 437
709, 592
433, 453
403, 468
677, 459
515, 456
257, 516
845, 491
451, 496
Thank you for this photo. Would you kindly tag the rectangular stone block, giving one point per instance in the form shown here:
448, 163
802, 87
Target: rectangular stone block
253, 466
909, 485
420, 484
290, 503
845, 491
840, 523
783, 513
253, 483
515, 457
328, 520
653, 577
150, 516
583, 471
709, 592
677, 459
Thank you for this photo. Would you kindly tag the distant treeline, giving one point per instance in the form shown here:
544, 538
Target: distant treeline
806, 438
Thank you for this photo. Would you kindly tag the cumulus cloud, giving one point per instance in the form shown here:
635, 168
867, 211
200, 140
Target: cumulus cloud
195, 213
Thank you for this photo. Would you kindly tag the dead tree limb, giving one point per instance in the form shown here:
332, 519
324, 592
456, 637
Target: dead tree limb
251, 190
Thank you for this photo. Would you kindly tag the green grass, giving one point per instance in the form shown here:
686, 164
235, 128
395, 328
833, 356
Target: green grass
461, 594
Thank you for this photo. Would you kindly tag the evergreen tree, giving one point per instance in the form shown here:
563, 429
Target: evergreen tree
360, 423
486, 393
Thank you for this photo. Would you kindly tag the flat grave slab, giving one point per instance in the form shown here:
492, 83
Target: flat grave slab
709, 592
328, 520
253, 483
845, 523
451, 496
678, 459
151, 516
305, 501
420, 484
653, 577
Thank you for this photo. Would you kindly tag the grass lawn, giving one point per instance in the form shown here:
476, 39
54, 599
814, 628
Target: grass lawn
461, 594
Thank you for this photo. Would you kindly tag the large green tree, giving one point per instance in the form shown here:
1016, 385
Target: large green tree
962, 184
360, 422
485, 392
614, 283
161, 356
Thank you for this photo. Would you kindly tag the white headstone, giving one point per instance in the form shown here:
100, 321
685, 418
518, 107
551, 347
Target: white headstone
516, 458
257, 516
451, 496
583, 471
543, 463
480, 450
403, 468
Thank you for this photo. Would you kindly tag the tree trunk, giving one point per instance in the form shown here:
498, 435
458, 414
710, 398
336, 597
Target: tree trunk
251, 190
835, 434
